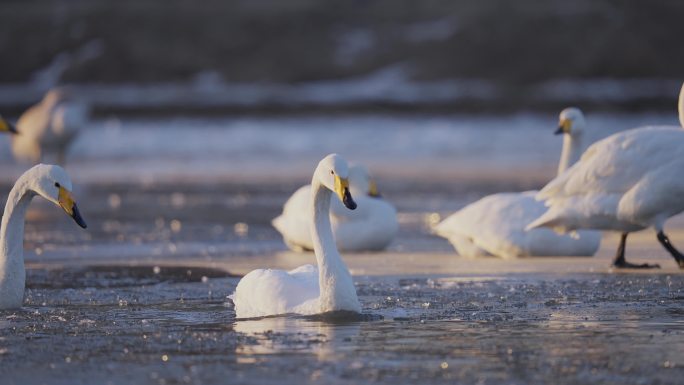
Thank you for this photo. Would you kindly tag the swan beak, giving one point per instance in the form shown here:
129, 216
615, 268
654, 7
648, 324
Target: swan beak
7, 126
342, 191
66, 202
373, 189
563, 127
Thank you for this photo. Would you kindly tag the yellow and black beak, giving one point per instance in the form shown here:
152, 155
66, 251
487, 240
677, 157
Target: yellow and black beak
6, 126
373, 189
342, 191
563, 127
66, 201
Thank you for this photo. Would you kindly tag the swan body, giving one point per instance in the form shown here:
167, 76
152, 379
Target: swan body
48, 128
372, 226
627, 182
50, 182
308, 289
495, 225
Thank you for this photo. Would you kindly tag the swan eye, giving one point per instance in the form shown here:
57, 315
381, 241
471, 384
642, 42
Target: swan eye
57, 184
332, 172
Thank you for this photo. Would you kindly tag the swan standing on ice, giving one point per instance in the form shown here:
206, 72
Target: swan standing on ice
627, 182
372, 226
49, 127
53, 184
6, 126
307, 289
495, 225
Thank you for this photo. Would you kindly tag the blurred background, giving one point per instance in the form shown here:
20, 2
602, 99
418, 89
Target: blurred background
210, 114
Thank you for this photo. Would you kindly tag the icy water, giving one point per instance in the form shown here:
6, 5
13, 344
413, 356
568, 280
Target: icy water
177, 207
166, 326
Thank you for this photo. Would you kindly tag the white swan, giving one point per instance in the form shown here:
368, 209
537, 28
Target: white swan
49, 127
307, 290
495, 225
50, 182
627, 182
372, 226
6, 126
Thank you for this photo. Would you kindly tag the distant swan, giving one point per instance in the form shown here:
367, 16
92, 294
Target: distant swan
627, 182
372, 226
49, 127
53, 184
495, 225
307, 290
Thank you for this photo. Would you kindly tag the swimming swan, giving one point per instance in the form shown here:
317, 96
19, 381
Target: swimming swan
307, 289
372, 226
495, 225
53, 184
49, 127
626, 182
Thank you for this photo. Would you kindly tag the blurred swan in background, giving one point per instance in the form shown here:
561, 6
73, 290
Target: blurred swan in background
372, 226
495, 225
627, 182
48, 128
53, 184
307, 289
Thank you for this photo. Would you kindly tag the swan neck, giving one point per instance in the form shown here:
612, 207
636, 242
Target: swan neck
572, 150
327, 255
12, 228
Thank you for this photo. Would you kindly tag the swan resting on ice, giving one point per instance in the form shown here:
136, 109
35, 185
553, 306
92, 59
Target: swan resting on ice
307, 290
371, 227
53, 184
495, 225
627, 182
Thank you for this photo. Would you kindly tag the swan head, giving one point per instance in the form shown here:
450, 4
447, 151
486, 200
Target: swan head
571, 122
361, 182
6, 126
53, 183
333, 173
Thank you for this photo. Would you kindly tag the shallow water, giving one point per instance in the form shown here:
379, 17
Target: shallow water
147, 325
168, 321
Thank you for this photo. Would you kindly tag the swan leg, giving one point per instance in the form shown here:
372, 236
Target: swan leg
665, 241
620, 261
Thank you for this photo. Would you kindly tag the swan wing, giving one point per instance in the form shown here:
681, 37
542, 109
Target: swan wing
265, 292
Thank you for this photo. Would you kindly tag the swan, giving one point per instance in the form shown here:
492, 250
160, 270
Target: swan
53, 184
372, 226
49, 127
626, 182
495, 225
307, 290
6, 126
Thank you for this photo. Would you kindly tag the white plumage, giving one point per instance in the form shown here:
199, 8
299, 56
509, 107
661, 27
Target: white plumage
50, 182
307, 290
495, 225
626, 182
47, 129
372, 226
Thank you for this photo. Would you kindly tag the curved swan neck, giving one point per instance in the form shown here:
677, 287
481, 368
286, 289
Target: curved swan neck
572, 151
323, 239
12, 270
12, 229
